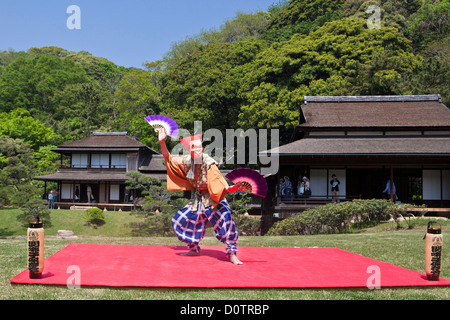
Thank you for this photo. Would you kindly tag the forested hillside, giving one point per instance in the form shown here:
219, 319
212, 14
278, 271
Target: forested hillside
251, 72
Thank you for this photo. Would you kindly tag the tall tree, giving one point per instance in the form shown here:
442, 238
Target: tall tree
430, 23
243, 26
16, 169
301, 16
19, 124
205, 85
137, 96
90, 97
7, 57
113, 75
31, 82
342, 57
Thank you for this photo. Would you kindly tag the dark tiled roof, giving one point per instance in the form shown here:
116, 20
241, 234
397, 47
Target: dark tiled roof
104, 142
84, 176
369, 146
93, 177
156, 164
364, 112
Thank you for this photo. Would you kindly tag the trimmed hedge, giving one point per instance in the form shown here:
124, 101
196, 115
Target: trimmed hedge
339, 217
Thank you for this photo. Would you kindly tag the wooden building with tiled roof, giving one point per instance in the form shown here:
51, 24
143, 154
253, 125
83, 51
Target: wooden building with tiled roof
99, 163
365, 141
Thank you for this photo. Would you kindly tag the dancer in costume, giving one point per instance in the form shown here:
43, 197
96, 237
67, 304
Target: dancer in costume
198, 172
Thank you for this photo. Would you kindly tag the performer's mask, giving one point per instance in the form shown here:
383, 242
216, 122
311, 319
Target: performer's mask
193, 144
196, 149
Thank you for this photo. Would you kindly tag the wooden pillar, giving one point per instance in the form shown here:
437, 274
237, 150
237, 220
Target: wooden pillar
391, 182
277, 186
328, 177
442, 189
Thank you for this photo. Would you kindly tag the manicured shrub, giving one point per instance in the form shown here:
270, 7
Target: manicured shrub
158, 224
246, 225
95, 217
340, 217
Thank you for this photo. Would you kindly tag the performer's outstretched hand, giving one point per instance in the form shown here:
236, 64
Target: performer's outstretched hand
161, 133
236, 187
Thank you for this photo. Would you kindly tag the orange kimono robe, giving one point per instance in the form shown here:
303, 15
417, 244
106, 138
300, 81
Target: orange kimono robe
208, 204
208, 182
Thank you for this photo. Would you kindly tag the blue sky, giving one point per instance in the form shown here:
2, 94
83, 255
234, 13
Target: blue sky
125, 32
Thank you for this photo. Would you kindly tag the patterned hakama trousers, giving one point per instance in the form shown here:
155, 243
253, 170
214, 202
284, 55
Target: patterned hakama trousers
190, 226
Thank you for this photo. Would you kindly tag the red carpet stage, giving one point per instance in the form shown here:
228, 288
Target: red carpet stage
162, 266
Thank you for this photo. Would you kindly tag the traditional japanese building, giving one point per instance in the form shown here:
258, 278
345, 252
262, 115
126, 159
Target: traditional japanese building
97, 165
366, 141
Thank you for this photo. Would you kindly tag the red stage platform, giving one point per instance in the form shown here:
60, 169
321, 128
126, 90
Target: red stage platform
163, 266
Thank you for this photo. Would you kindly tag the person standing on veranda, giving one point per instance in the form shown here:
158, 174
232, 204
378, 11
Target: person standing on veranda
334, 182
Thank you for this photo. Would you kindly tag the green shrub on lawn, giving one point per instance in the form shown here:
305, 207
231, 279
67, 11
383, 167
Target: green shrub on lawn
95, 217
33, 208
340, 217
247, 225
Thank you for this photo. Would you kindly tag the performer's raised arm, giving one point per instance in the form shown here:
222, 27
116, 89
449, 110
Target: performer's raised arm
162, 141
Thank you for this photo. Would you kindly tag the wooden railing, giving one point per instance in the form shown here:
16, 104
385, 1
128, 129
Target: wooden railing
103, 206
88, 167
313, 200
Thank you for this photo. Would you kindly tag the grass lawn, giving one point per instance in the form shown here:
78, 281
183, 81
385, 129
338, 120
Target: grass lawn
404, 248
116, 223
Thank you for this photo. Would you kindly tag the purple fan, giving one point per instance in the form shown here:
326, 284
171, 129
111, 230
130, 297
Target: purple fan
158, 121
252, 180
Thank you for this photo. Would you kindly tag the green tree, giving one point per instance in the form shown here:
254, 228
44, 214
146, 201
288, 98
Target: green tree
7, 57
304, 10
430, 23
342, 57
19, 124
113, 75
70, 128
31, 83
46, 160
16, 170
137, 96
48, 50
432, 77
205, 85
277, 7
243, 26
394, 13
89, 96
95, 67
301, 16
181, 49
32, 208
157, 207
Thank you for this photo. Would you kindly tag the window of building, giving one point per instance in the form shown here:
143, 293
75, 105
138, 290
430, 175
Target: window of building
114, 192
80, 160
100, 160
119, 161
